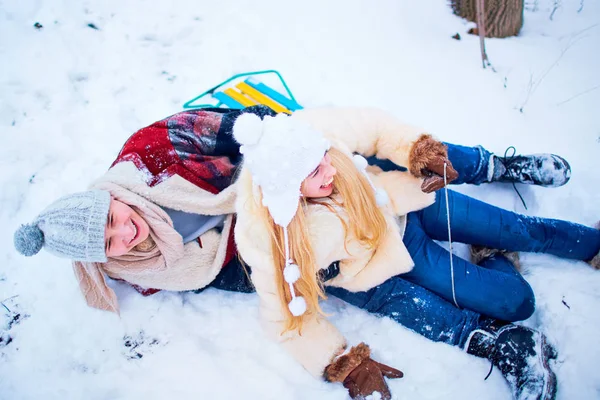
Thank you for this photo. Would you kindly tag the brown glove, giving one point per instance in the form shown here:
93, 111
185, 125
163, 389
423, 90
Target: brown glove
361, 375
426, 160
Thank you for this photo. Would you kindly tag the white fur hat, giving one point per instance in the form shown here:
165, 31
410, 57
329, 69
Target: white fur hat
280, 153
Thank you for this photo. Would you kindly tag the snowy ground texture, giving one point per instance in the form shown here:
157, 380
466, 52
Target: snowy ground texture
73, 90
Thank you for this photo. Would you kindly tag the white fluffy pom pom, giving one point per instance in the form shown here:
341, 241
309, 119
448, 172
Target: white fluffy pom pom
248, 129
291, 273
381, 197
360, 162
297, 306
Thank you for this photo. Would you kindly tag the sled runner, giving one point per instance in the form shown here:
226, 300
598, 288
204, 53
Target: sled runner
245, 89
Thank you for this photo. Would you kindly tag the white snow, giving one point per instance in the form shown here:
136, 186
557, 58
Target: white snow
70, 95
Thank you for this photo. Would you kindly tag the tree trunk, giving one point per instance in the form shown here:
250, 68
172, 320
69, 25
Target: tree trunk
503, 18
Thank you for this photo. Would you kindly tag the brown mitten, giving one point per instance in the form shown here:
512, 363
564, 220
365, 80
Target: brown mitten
361, 375
426, 160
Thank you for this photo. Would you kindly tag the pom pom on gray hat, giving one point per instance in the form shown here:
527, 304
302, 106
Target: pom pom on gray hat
29, 239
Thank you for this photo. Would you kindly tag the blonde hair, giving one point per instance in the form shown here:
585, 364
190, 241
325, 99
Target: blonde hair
147, 245
366, 221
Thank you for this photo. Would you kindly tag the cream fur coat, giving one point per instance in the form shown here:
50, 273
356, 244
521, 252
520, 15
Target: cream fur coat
369, 132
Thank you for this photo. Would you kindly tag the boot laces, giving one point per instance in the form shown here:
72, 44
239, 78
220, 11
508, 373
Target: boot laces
508, 161
492, 358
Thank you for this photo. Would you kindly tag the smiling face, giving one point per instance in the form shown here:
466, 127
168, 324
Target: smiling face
124, 230
320, 182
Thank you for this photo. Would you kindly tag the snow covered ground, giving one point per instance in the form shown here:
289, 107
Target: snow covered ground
71, 93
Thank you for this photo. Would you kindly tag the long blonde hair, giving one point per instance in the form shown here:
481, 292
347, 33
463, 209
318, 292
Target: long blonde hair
366, 221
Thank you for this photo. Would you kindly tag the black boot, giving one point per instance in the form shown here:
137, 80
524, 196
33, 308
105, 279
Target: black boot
521, 354
536, 169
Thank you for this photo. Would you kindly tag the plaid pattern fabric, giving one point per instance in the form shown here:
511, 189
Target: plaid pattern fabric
196, 145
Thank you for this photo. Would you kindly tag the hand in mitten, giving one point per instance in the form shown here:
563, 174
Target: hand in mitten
427, 159
361, 375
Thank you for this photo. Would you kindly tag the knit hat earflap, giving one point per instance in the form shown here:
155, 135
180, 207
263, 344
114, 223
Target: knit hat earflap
280, 152
71, 227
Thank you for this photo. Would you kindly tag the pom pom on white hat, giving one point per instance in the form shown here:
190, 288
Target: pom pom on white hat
360, 162
248, 129
381, 196
291, 273
297, 306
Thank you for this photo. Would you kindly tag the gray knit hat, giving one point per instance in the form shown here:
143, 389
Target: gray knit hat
71, 227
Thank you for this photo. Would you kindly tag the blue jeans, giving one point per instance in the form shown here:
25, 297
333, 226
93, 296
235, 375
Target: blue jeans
416, 308
493, 288
470, 162
422, 299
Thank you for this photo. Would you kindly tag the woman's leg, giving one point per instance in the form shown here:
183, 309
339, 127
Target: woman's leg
471, 163
475, 222
521, 354
495, 289
417, 309
476, 165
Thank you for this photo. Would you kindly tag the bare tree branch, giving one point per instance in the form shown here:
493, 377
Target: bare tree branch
531, 5
556, 5
8, 298
536, 84
574, 35
479, 5
578, 94
529, 92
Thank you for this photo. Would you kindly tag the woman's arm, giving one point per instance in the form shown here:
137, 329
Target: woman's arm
319, 341
371, 131
319, 349
368, 131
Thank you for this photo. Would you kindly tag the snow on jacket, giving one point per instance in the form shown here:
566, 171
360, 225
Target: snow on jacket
369, 132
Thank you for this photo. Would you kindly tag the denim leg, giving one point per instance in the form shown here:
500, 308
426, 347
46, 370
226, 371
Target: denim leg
385, 164
415, 308
233, 278
471, 163
475, 222
500, 263
493, 290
